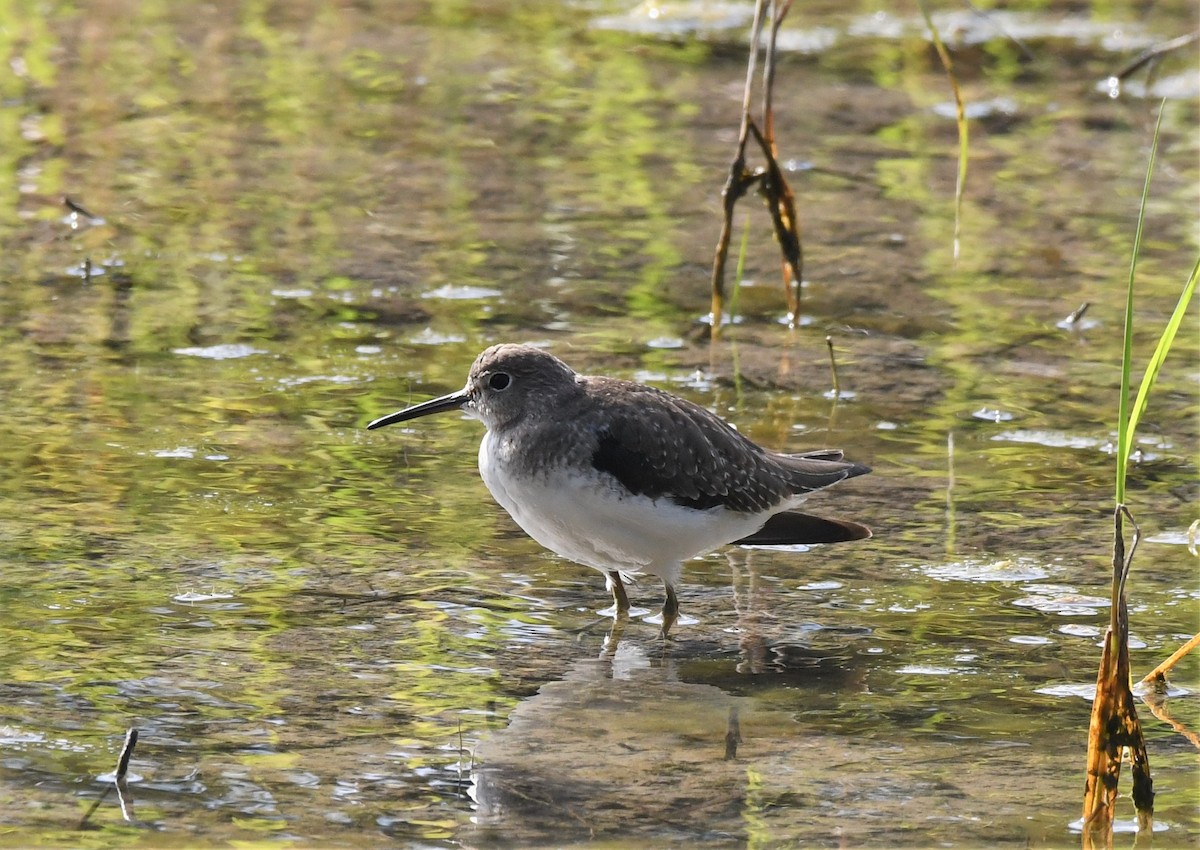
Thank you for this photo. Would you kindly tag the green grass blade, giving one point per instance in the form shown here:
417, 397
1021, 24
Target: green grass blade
1124, 433
960, 114
1160, 352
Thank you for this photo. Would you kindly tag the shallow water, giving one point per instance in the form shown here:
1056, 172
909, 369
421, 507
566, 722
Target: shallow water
298, 218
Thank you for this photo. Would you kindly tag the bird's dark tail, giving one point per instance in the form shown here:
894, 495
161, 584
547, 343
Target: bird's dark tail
792, 527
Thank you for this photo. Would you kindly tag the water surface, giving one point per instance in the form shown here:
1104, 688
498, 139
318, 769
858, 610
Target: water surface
296, 218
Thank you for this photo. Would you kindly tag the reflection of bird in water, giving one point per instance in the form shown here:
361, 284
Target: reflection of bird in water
629, 479
751, 640
614, 736
639, 743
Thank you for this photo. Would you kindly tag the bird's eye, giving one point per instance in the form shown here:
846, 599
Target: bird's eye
499, 381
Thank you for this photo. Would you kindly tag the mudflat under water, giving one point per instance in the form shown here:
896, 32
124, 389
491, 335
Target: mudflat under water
288, 219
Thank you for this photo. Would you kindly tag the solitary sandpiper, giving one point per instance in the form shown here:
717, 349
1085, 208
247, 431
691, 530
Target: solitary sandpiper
629, 479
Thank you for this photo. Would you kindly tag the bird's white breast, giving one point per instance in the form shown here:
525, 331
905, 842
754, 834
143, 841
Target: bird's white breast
585, 516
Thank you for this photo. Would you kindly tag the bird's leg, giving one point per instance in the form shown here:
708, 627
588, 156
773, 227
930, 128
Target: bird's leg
617, 587
670, 611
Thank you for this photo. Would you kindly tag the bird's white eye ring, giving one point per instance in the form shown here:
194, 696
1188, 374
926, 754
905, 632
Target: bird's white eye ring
499, 381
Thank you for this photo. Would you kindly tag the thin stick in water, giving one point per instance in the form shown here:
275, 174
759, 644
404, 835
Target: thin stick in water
131, 737
1073, 318
837, 387
1160, 672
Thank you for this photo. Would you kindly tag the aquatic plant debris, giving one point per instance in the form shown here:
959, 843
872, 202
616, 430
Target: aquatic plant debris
1114, 725
769, 178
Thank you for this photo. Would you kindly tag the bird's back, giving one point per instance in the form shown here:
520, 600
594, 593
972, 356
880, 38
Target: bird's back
662, 446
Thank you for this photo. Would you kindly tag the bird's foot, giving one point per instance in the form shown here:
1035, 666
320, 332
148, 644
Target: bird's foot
670, 613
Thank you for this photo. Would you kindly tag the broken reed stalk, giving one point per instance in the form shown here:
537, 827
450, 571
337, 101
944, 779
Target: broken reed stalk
1114, 725
778, 194
960, 117
782, 205
1159, 673
769, 179
738, 181
768, 112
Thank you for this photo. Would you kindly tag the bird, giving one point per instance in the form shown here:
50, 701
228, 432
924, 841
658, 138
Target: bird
629, 479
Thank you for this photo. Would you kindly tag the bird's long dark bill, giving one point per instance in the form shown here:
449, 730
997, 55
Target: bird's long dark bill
791, 527
453, 401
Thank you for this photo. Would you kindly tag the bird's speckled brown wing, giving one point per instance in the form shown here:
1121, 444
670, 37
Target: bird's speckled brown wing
680, 451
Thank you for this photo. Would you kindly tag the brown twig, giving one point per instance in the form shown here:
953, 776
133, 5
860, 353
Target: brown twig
739, 179
777, 16
837, 389
736, 184
783, 201
1159, 673
782, 205
770, 179
1152, 53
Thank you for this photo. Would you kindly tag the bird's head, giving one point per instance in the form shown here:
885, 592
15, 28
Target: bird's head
505, 382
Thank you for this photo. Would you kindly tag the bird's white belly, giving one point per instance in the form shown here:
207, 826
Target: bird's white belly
586, 517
